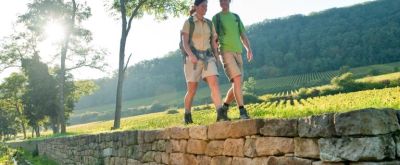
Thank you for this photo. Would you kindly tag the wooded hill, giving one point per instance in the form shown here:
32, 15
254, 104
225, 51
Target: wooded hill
359, 35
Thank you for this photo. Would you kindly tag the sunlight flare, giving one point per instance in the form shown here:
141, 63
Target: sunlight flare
54, 32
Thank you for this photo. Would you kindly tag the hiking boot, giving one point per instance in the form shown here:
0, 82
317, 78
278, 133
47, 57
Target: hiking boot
222, 114
188, 118
224, 110
243, 113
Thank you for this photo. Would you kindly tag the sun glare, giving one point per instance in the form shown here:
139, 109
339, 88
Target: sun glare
54, 32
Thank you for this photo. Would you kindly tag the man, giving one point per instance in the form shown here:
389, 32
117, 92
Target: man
231, 36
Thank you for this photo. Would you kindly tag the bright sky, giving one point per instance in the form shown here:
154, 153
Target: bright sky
150, 39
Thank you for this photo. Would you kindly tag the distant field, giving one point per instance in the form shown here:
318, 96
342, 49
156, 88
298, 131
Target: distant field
383, 98
280, 86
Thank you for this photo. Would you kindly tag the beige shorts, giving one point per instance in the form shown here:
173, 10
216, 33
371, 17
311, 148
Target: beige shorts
200, 72
233, 64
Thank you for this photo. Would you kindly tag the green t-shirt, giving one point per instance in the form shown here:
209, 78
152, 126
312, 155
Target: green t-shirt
229, 41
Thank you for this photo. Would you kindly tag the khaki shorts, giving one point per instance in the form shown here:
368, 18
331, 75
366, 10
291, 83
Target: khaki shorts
233, 64
200, 72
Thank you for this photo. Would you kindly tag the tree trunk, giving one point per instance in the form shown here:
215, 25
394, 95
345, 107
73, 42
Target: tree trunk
121, 70
22, 122
33, 132
64, 51
23, 129
37, 131
54, 127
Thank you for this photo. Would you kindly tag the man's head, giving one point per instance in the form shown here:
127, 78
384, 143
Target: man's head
224, 4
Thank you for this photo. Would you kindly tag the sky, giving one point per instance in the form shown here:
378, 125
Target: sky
150, 39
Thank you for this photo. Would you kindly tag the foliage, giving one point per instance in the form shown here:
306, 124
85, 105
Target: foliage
353, 36
249, 86
41, 97
34, 159
172, 111
343, 84
280, 88
6, 154
8, 126
344, 69
136, 9
75, 49
288, 46
382, 98
250, 98
158, 8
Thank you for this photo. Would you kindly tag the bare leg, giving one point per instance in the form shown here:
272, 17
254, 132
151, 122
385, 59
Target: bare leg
191, 92
237, 90
229, 96
215, 93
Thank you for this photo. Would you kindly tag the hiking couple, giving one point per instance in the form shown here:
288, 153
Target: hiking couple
199, 43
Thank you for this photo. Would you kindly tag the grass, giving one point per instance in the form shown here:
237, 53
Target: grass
271, 85
6, 155
36, 160
383, 98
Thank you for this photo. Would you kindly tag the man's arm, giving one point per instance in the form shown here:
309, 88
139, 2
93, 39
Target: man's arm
246, 44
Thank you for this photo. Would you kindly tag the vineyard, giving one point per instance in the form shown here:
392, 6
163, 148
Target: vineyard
369, 79
278, 87
382, 98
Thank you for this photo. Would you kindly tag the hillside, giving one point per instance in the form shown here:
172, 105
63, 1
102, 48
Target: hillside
383, 98
281, 85
360, 35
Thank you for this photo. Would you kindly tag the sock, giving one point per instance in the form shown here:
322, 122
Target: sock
241, 107
187, 111
226, 104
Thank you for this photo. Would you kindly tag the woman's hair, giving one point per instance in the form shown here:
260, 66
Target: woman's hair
196, 3
192, 10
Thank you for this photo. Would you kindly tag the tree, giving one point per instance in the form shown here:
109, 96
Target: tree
75, 49
249, 86
136, 9
41, 97
8, 125
12, 90
16, 47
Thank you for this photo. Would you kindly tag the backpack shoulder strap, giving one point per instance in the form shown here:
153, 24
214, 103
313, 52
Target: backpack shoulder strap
210, 25
218, 24
191, 29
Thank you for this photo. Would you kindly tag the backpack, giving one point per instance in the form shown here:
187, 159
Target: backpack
191, 30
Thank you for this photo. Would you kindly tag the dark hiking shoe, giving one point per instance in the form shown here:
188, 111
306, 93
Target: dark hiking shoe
188, 118
243, 113
224, 110
222, 114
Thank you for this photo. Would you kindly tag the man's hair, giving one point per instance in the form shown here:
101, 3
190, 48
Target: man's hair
198, 2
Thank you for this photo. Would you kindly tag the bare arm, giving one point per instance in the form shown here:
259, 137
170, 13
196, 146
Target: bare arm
186, 47
215, 45
246, 44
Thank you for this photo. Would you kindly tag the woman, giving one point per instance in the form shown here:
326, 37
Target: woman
199, 41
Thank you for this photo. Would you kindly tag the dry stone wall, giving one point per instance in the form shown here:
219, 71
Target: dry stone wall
364, 137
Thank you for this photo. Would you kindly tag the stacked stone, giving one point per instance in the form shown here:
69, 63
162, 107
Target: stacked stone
357, 138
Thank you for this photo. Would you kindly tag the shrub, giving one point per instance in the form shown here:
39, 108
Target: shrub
373, 72
250, 98
343, 80
172, 111
302, 94
394, 82
396, 69
249, 86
